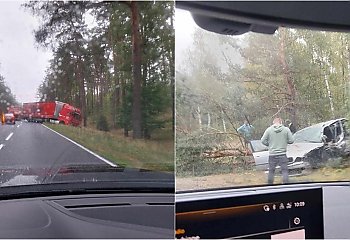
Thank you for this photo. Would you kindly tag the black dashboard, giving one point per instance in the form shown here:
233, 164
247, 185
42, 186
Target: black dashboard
120, 215
296, 211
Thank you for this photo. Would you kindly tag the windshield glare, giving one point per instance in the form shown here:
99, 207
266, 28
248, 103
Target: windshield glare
231, 89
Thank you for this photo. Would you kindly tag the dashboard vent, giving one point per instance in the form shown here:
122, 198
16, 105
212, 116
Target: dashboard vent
96, 205
161, 204
132, 210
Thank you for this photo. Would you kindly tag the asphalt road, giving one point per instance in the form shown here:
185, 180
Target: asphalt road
33, 148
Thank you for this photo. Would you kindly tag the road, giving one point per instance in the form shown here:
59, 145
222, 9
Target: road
34, 148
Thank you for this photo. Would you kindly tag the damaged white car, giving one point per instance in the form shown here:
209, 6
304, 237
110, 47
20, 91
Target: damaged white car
313, 146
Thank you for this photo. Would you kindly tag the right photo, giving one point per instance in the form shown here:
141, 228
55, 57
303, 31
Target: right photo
262, 109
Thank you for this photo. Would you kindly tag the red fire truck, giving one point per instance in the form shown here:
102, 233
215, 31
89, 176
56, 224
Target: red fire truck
52, 111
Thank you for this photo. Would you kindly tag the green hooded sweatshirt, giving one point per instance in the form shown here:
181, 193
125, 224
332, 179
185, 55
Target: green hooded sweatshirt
276, 137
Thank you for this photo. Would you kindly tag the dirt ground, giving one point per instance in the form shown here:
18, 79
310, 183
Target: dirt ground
253, 177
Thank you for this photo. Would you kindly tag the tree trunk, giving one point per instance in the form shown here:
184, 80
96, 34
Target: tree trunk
223, 120
98, 79
347, 84
82, 94
289, 80
145, 129
199, 118
116, 88
136, 65
172, 78
329, 94
209, 120
101, 81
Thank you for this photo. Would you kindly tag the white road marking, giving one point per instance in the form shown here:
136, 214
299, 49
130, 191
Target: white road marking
18, 125
1, 146
101, 158
9, 136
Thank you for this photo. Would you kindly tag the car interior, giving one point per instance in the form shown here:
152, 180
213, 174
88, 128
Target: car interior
44, 212
89, 216
294, 210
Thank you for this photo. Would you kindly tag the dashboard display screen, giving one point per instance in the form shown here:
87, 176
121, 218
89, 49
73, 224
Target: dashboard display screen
282, 215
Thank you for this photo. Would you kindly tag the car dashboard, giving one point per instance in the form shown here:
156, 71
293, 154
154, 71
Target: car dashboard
295, 211
119, 215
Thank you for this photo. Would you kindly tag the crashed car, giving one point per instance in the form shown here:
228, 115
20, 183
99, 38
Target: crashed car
312, 147
10, 118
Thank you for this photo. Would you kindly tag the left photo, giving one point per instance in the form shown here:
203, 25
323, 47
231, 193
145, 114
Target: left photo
87, 119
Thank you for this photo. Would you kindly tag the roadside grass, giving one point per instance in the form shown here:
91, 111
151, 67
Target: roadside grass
155, 154
254, 177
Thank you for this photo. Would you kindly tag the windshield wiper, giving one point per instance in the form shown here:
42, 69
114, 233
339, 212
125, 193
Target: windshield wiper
58, 189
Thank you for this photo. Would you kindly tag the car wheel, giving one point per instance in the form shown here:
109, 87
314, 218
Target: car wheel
314, 162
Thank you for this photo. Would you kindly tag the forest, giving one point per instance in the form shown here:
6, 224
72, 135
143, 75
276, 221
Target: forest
7, 98
300, 75
113, 60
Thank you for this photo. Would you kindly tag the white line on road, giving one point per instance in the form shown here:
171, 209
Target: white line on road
9, 136
105, 160
1, 146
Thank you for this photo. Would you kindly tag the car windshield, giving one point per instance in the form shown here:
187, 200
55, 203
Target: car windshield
90, 88
230, 90
310, 134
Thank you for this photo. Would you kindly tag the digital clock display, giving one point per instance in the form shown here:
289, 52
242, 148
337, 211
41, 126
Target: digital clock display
299, 204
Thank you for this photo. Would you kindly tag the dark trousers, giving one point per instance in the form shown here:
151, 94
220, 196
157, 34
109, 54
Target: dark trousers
280, 160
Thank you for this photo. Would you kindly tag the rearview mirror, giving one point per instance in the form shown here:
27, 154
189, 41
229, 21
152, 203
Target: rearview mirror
234, 18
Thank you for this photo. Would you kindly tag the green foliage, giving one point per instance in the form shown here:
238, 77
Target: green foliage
145, 154
191, 150
102, 123
156, 99
124, 118
6, 97
296, 74
96, 62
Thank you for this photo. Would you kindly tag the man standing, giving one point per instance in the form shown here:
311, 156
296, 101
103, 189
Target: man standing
276, 137
291, 126
246, 131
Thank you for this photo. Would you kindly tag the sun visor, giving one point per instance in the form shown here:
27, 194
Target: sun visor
227, 27
238, 17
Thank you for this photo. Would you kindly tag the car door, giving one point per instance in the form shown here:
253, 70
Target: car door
261, 154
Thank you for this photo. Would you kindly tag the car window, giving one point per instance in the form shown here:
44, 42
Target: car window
312, 134
257, 146
231, 89
91, 86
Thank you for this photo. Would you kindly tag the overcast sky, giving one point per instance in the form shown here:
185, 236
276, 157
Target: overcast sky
184, 29
184, 33
21, 63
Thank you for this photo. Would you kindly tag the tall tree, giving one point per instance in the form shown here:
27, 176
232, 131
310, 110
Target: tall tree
136, 63
63, 23
124, 68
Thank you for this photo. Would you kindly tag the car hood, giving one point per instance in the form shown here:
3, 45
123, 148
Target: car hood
301, 149
294, 151
83, 173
